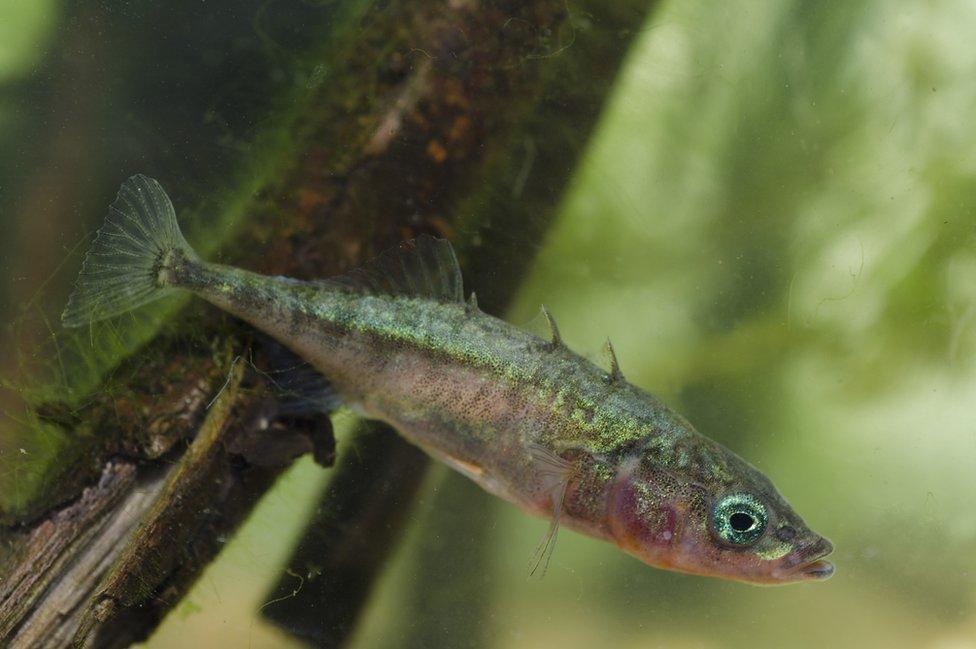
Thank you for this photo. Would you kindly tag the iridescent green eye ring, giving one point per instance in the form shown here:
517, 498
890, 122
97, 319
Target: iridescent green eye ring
739, 519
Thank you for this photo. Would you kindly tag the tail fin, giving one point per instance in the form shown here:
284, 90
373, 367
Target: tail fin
122, 269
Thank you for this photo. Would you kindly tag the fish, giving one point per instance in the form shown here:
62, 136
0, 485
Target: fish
524, 417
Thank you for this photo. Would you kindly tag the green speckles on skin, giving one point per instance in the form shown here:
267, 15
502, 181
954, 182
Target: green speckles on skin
775, 550
682, 458
484, 396
646, 493
605, 472
565, 384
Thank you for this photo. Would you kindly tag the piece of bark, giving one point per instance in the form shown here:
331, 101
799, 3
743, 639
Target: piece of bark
51, 551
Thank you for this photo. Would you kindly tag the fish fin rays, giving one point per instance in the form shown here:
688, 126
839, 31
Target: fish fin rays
556, 340
298, 387
615, 375
424, 267
302, 389
555, 474
124, 267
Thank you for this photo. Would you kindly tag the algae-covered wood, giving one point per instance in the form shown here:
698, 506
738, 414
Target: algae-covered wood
299, 139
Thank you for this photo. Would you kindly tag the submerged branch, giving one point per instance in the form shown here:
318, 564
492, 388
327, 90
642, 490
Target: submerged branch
458, 119
524, 174
354, 530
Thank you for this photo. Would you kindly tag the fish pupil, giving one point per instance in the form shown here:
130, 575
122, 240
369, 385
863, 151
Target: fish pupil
741, 522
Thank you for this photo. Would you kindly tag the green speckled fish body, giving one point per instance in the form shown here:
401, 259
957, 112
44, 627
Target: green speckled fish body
526, 418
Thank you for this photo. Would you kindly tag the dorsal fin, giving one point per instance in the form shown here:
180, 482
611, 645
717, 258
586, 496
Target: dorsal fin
615, 375
422, 267
556, 340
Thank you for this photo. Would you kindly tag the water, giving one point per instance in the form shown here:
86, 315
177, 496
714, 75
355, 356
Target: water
773, 222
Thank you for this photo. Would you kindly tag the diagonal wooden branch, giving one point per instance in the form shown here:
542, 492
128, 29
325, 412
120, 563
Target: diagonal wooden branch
354, 529
188, 487
528, 175
457, 118
148, 517
69, 546
56, 623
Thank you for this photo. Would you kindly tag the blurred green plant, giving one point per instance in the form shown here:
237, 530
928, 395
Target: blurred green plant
24, 32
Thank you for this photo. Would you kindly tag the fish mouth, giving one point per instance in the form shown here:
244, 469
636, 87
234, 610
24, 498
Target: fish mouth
819, 569
807, 562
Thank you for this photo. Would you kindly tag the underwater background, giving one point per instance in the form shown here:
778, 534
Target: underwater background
773, 222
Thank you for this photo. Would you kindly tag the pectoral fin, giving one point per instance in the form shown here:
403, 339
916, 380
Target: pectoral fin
554, 474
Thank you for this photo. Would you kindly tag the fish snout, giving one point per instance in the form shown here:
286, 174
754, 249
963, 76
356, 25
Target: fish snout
807, 562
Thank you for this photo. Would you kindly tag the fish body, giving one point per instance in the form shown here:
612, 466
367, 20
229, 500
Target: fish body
526, 418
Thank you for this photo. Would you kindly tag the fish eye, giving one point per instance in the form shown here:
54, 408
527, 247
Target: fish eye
739, 519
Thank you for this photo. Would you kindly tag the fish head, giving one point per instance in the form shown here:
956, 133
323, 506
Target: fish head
724, 519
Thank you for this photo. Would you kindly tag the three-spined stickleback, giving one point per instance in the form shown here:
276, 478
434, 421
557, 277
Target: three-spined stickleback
526, 418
